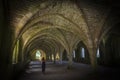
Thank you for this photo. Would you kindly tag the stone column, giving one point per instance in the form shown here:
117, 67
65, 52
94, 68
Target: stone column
50, 57
60, 58
93, 58
54, 58
70, 62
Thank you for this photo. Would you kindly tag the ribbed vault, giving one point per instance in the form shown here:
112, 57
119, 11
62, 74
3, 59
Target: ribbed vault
54, 25
63, 15
46, 44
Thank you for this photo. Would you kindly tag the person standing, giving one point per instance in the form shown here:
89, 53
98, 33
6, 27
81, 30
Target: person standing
43, 65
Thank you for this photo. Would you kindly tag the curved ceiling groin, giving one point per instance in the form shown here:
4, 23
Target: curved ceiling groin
52, 25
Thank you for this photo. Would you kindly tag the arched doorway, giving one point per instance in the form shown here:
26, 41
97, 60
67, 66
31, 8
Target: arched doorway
38, 54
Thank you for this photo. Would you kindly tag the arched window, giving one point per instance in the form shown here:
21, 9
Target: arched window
38, 54
82, 52
73, 53
98, 53
15, 53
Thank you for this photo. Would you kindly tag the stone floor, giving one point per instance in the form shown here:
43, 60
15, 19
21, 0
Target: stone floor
60, 72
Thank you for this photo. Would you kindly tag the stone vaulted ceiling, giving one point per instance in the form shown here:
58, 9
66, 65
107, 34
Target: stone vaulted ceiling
55, 24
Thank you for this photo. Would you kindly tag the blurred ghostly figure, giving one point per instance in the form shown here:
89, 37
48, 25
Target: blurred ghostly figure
43, 65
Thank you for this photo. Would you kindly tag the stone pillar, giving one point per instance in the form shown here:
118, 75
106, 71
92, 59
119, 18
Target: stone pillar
60, 58
54, 58
70, 62
47, 57
93, 58
51, 57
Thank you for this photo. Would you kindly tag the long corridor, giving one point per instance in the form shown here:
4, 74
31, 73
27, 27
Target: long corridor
60, 72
